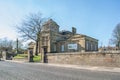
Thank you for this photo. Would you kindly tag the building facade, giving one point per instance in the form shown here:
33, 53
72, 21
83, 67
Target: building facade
65, 41
32, 47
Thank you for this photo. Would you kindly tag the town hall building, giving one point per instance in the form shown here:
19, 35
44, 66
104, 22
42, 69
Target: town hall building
57, 41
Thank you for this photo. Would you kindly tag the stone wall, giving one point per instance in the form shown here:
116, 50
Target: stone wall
21, 59
87, 58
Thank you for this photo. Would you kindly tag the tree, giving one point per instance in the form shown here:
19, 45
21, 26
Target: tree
116, 36
6, 44
30, 28
18, 46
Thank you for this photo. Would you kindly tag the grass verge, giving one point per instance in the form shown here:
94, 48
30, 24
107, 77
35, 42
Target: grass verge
37, 58
19, 56
22, 56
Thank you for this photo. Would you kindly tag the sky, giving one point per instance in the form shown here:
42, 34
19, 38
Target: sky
95, 18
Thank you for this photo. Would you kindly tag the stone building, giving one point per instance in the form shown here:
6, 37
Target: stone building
32, 47
65, 41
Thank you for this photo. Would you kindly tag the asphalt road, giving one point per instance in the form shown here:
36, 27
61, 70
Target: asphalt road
33, 71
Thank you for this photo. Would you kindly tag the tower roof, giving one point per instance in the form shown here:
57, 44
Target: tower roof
51, 22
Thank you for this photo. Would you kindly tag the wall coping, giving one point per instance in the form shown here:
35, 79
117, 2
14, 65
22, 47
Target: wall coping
77, 53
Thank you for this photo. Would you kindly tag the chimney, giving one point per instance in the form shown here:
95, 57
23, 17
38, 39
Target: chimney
73, 30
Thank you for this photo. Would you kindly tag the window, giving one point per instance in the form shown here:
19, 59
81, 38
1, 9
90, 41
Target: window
45, 40
91, 46
62, 48
54, 47
87, 45
96, 47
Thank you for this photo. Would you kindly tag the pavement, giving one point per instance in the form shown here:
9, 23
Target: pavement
92, 68
17, 70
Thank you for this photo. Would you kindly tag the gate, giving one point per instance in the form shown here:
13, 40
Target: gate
45, 55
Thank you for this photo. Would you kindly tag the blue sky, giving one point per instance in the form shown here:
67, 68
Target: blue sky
95, 18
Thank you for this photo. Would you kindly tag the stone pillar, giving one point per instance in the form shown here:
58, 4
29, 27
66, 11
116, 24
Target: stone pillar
30, 55
4, 55
44, 54
0, 55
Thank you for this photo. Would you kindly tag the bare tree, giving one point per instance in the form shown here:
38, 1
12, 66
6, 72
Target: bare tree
30, 28
116, 36
6, 44
18, 46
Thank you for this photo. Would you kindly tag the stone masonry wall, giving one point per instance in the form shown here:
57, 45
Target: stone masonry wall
88, 58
